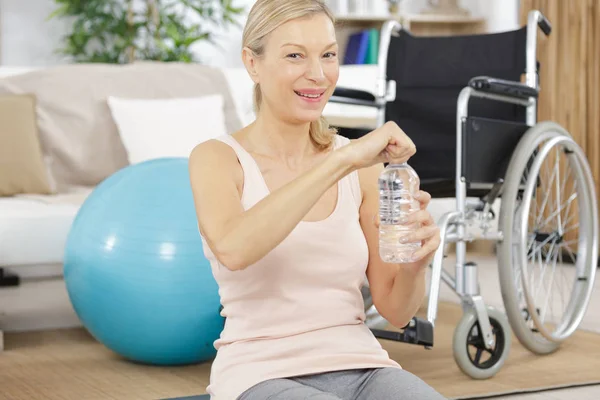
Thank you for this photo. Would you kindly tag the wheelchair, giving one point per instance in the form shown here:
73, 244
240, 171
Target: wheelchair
463, 102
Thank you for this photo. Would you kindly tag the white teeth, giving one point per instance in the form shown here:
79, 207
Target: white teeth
310, 96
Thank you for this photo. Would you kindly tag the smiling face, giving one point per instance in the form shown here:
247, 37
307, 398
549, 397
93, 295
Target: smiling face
299, 68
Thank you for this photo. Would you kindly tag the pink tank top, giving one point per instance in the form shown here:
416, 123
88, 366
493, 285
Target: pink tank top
298, 310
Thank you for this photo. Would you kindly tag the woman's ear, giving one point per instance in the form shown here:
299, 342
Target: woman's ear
250, 62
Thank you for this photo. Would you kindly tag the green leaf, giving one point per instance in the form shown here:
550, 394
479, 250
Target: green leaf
100, 30
59, 12
193, 39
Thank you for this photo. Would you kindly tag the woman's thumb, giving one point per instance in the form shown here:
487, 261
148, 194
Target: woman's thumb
376, 221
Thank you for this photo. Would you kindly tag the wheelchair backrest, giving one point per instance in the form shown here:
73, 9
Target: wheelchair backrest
430, 72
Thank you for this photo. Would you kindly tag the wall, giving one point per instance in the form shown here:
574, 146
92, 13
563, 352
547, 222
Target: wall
228, 52
502, 15
27, 39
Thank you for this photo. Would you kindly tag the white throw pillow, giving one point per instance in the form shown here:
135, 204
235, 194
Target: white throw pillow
241, 88
155, 128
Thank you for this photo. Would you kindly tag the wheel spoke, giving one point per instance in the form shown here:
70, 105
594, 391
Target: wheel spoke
567, 214
543, 206
558, 186
557, 212
543, 272
570, 228
543, 313
478, 354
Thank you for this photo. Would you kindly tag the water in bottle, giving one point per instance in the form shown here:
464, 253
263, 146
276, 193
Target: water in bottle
398, 184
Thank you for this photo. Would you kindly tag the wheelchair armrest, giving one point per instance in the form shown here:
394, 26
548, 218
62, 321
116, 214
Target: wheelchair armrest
353, 96
503, 87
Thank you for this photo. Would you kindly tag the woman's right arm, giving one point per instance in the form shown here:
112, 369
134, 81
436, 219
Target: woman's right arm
239, 237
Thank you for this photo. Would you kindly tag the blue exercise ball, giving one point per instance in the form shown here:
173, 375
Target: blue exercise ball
135, 270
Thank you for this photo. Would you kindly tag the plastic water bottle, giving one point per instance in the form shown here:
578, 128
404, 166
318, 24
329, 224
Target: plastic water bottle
398, 184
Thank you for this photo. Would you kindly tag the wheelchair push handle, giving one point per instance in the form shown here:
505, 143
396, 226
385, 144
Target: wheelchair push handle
544, 24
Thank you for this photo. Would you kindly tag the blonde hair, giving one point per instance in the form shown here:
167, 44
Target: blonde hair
266, 16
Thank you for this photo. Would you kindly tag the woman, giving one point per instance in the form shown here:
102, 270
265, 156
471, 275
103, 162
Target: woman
286, 209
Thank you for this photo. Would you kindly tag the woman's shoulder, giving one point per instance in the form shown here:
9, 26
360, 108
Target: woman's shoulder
215, 154
225, 145
210, 148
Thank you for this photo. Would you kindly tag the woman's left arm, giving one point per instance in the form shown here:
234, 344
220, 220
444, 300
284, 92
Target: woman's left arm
397, 290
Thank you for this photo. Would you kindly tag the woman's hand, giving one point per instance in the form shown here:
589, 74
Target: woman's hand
427, 232
387, 143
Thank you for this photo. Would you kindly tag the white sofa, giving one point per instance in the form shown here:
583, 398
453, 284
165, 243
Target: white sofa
33, 229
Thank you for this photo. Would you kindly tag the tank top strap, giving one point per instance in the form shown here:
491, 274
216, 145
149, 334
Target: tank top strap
255, 187
241, 153
351, 181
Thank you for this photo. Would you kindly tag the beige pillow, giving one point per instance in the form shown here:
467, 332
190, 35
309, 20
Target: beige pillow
22, 168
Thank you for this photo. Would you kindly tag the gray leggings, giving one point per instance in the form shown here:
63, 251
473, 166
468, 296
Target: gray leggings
358, 384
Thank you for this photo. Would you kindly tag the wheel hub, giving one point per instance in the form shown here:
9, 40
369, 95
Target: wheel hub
548, 238
475, 340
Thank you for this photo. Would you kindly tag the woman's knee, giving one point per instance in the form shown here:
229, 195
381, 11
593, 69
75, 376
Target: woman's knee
284, 389
396, 383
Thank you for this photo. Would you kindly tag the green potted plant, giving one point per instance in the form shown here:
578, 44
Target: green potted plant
123, 31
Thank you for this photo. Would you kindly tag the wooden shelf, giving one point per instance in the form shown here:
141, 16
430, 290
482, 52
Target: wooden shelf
418, 24
419, 18
365, 18
442, 19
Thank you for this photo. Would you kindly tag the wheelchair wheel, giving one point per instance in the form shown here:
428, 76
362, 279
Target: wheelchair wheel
549, 221
470, 352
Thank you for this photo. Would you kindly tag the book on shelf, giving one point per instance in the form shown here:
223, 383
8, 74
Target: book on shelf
362, 47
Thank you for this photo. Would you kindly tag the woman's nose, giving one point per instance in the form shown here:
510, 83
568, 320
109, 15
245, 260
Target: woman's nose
315, 71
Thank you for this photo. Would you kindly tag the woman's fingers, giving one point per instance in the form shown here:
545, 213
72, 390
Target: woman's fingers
376, 220
423, 234
399, 153
428, 233
422, 217
429, 245
423, 198
399, 147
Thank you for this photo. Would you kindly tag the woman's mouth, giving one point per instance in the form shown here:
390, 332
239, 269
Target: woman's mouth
312, 96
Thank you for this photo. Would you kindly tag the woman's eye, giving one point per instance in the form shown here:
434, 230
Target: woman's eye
294, 55
331, 54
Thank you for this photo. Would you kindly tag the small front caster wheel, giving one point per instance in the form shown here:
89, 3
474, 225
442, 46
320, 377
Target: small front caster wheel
470, 353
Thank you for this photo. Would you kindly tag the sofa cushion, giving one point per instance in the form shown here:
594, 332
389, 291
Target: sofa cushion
22, 168
34, 228
153, 128
77, 131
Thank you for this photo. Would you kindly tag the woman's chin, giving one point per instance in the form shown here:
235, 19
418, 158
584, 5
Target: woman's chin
305, 117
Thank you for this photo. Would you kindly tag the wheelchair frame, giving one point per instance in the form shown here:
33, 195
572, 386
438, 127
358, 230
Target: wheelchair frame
465, 281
